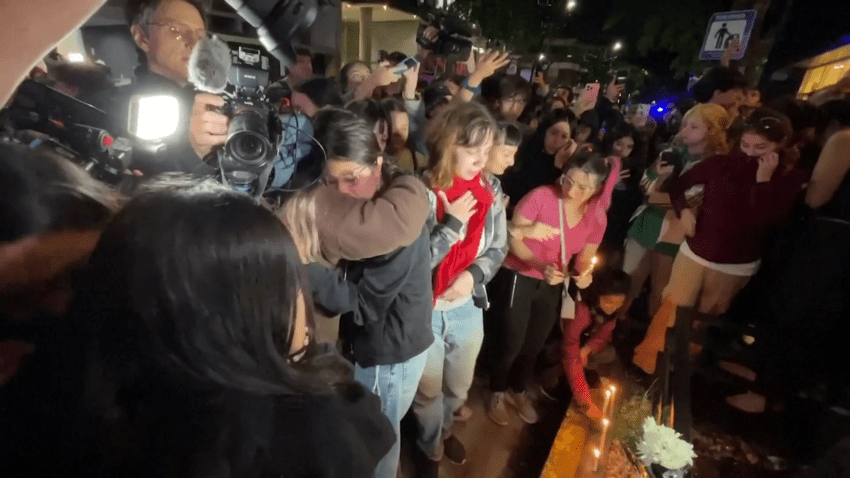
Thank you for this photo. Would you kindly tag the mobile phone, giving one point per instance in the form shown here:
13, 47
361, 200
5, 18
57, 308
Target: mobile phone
668, 158
410, 62
405, 65
589, 95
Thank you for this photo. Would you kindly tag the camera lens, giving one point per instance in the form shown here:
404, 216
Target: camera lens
248, 142
248, 148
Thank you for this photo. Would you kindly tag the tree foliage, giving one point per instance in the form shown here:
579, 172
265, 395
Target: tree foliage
517, 23
672, 26
681, 33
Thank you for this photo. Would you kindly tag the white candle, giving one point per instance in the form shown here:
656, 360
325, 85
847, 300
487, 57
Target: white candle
607, 401
596, 454
605, 424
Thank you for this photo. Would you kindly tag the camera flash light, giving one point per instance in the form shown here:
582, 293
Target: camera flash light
154, 117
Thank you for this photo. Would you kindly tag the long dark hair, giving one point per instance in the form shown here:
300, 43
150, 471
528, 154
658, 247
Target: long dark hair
45, 192
606, 281
535, 145
190, 299
345, 135
373, 112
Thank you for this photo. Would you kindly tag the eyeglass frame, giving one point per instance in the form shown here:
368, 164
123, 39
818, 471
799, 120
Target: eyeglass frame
177, 30
353, 181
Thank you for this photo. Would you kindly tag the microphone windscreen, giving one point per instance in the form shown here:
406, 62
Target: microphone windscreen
209, 65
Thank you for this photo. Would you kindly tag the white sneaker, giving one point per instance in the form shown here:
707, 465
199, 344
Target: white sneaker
524, 406
497, 409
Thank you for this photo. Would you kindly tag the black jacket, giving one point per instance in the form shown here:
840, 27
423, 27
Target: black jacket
173, 154
387, 303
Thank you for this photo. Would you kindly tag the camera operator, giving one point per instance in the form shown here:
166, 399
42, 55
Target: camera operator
165, 32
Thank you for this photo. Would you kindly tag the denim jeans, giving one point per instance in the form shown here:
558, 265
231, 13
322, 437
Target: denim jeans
458, 334
396, 386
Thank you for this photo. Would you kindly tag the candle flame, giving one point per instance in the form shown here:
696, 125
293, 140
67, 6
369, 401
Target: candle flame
596, 452
607, 393
606, 422
594, 260
613, 389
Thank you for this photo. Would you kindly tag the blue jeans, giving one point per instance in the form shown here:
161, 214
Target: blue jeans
458, 334
395, 385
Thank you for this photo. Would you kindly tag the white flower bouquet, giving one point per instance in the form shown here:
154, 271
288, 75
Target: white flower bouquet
665, 447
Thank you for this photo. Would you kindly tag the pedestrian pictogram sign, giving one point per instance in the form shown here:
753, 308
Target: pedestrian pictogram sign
723, 29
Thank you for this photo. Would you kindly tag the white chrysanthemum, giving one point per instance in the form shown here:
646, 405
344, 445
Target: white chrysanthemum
664, 446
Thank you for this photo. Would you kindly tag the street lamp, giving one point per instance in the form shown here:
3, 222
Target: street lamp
617, 46
571, 5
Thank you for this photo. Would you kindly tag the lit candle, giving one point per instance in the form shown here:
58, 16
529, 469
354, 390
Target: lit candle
596, 454
592, 266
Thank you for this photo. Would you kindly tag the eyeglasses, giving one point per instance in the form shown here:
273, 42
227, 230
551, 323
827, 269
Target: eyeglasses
351, 180
566, 182
516, 100
182, 32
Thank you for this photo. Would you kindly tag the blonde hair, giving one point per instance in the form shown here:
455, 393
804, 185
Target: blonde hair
464, 124
298, 215
717, 120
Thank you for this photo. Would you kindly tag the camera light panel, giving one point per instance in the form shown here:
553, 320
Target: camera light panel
154, 117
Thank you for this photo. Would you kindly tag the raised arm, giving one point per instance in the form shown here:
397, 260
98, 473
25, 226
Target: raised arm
830, 170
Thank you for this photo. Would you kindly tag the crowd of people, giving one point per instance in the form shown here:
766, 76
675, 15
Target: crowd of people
188, 329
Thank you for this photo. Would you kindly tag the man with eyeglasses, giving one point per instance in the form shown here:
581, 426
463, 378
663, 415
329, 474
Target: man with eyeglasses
165, 33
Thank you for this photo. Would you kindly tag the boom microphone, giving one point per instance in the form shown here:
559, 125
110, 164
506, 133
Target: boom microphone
209, 65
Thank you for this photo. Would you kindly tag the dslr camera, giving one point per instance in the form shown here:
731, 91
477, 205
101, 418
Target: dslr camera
255, 130
453, 39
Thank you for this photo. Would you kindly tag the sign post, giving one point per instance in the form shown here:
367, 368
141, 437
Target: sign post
725, 27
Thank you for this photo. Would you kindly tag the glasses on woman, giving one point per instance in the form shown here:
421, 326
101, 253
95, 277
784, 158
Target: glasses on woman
351, 179
181, 32
567, 183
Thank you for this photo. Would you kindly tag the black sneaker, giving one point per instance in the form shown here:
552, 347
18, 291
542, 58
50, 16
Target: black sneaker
454, 450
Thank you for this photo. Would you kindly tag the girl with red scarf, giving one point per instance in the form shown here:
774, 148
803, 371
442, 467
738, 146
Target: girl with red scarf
468, 244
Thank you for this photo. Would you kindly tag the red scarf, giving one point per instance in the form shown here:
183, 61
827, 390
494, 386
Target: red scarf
464, 252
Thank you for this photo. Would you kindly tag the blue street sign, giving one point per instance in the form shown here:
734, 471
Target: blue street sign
725, 27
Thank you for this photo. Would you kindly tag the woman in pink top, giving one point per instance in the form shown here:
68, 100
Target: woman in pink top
535, 272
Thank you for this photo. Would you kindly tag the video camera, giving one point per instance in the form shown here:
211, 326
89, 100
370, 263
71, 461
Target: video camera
75, 129
453, 39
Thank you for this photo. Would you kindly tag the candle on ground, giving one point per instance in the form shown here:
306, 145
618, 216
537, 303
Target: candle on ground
607, 402
605, 424
596, 454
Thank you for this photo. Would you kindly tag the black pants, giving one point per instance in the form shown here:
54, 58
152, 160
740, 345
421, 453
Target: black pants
527, 310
